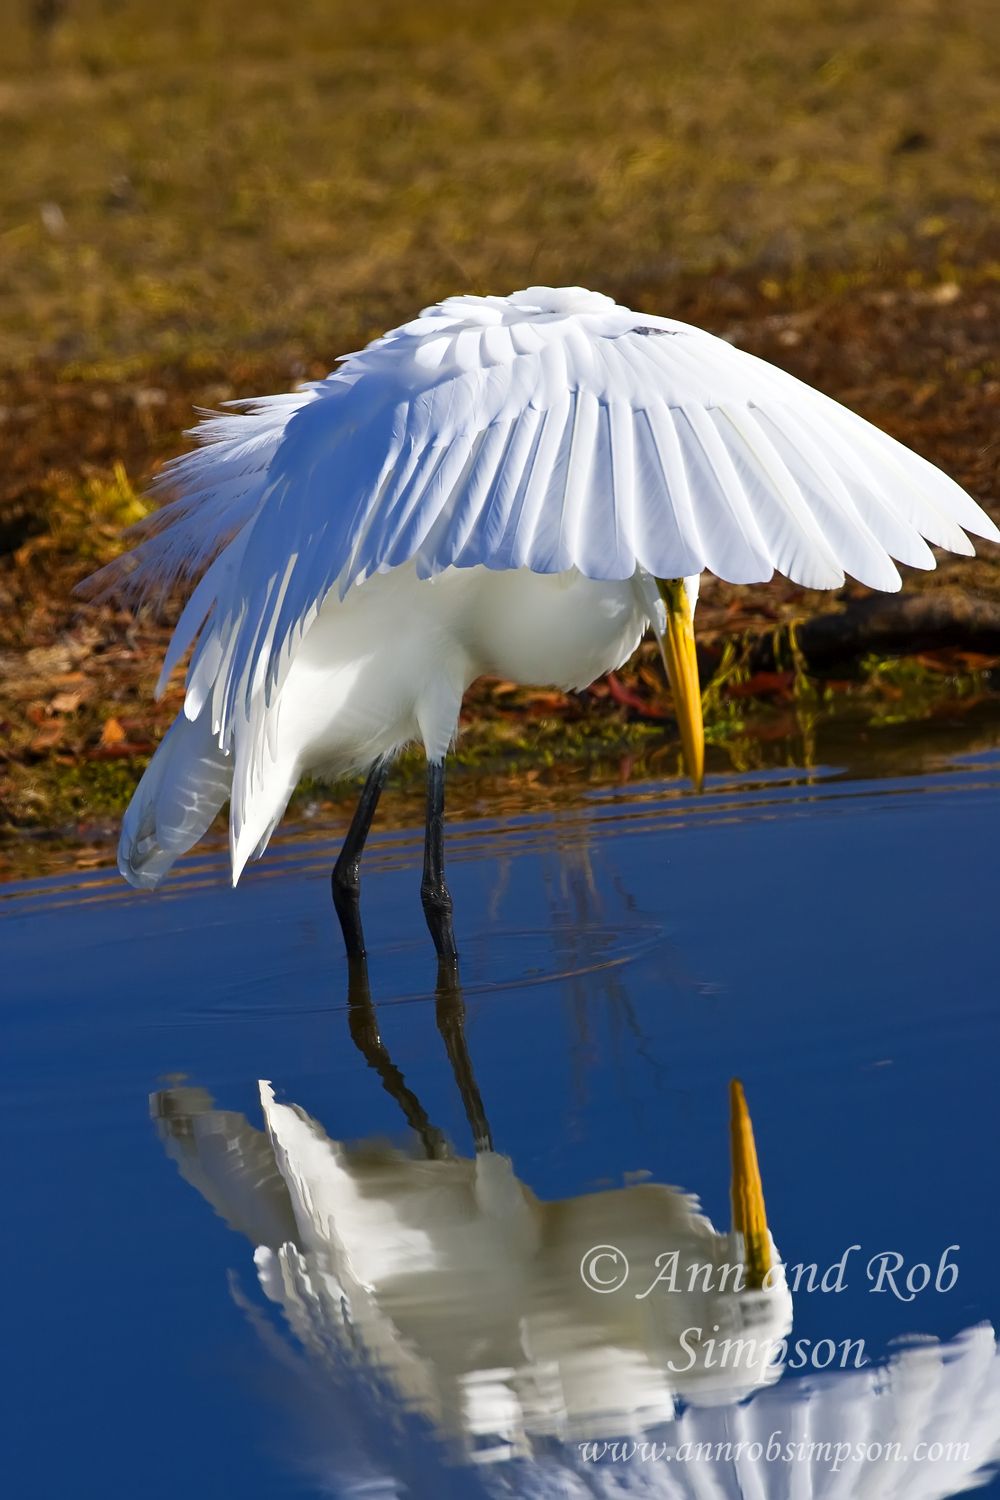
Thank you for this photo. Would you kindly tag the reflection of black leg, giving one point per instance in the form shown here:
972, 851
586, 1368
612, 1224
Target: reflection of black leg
365, 1035
346, 877
434, 893
451, 1024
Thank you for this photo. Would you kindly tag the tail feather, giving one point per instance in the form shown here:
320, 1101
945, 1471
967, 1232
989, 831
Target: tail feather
184, 786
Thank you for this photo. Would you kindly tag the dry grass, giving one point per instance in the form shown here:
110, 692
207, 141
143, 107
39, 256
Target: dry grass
179, 180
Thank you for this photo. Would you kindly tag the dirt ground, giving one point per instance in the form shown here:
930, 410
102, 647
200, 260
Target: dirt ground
206, 201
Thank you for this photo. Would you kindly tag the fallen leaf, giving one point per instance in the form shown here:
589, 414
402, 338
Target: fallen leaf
762, 685
112, 733
118, 750
545, 700
975, 661
628, 699
66, 703
47, 738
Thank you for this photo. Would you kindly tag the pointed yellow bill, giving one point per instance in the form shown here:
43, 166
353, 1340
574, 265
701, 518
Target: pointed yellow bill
749, 1213
681, 662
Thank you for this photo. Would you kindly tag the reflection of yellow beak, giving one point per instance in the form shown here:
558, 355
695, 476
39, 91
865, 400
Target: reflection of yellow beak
681, 662
749, 1213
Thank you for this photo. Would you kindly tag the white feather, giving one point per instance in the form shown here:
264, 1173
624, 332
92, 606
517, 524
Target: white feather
550, 431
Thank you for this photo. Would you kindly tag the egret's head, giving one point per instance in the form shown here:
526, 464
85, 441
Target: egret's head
729, 1320
677, 643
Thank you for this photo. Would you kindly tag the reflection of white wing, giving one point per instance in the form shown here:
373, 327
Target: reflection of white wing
458, 1266
855, 1436
454, 1287
929, 1394
549, 430
924, 1427
443, 1296
229, 1163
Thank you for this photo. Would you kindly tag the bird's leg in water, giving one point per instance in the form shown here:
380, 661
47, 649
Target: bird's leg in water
367, 1038
451, 1024
346, 878
434, 892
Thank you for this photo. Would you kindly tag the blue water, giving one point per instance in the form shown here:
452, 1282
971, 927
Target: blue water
830, 940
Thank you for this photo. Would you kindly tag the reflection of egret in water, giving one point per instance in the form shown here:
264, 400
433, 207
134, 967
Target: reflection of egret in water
591, 927
439, 1310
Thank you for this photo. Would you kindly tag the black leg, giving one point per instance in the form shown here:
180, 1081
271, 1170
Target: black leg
451, 1024
434, 892
366, 1037
346, 878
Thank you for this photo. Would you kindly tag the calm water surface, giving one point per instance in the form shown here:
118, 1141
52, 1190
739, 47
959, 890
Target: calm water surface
386, 1294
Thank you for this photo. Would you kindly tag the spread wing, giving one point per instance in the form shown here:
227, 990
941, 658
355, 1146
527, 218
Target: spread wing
550, 430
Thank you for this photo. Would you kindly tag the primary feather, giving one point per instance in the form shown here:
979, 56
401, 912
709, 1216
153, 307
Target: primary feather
552, 431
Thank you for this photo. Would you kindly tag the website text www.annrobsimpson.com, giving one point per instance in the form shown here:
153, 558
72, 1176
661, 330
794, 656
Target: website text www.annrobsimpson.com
776, 1448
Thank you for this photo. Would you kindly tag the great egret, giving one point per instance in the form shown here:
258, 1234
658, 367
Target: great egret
485, 1308
440, 1291
513, 485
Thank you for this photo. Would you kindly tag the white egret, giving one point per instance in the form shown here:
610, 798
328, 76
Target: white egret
445, 1289
469, 1293
479, 1304
512, 485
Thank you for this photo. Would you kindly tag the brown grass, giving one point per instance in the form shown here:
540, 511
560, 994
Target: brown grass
186, 179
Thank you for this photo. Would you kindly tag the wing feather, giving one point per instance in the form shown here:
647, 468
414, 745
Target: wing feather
518, 546
218, 489
878, 463
583, 465
819, 540
672, 536
494, 513
472, 500
548, 430
818, 465
731, 536
610, 544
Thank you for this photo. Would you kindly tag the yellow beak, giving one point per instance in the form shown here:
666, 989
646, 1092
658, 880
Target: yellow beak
681, 661
749, 1213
